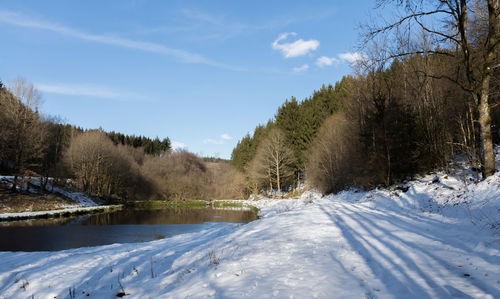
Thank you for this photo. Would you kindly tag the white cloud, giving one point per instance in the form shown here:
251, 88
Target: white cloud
301, 68
226, 136
21, 20
299, 47
352, 57
177, 145
212, 141
326, 61
84, 90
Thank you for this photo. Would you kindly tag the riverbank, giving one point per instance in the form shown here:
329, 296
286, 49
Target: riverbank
436, 237
29, 203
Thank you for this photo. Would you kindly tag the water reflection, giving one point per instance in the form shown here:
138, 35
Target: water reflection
125, 226
169, 216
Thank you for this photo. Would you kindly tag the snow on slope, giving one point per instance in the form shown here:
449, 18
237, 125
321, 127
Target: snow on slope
81, 199
437, 239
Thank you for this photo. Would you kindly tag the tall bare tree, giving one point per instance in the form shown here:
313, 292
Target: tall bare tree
274, 159
450, 29
24, 136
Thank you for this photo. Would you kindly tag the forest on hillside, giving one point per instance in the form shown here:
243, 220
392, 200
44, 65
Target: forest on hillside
110, 165
421, 94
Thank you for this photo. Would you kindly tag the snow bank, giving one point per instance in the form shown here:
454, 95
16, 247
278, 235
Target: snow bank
450, 196
56, 213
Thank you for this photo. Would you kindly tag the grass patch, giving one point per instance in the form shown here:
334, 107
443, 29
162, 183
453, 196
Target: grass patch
295, 193
29, 202
189, 204
222, 204
228, 204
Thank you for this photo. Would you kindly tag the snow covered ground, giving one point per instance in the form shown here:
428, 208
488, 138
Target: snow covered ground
437, 236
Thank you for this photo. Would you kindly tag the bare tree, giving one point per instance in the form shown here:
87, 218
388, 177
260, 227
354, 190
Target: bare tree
24, 133
179, 175
449, 29
274, 160
332, 161
226, 181
104, 169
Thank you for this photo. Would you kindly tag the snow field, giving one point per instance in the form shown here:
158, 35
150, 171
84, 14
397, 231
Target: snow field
438, 239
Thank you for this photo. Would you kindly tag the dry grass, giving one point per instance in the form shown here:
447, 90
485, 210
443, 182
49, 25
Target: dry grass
20, 202
213, 259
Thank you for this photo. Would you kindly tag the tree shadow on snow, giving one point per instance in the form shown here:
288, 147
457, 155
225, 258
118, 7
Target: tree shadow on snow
404, 264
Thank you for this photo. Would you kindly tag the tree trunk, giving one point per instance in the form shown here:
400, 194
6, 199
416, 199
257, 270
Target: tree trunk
270, 183
278, 180
487, 153
14, 184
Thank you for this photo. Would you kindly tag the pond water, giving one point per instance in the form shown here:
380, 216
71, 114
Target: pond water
125, 226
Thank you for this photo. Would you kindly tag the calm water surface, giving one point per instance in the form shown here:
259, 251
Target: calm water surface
126, 226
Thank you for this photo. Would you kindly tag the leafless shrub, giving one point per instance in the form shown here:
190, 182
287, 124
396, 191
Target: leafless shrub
104, 169
180, 175
227, 182
333, 156
212, 258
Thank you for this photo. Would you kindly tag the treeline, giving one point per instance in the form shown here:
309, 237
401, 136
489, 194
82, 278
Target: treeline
275, 155
394, 123
29, 142
379, 127
110, 165
150, 146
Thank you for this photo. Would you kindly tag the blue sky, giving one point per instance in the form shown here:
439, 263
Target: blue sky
202, 73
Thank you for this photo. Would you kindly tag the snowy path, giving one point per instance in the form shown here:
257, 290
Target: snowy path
328, 248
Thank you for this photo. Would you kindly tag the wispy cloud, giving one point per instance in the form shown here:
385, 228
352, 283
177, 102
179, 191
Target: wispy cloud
326, 61
87, 90
177, 145
17, 19
301, 68
226, 136
352, 57
200, 25
297, 48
